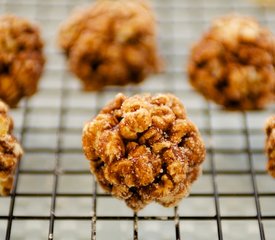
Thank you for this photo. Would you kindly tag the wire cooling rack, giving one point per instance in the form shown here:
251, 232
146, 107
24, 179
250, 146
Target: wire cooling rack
55, 197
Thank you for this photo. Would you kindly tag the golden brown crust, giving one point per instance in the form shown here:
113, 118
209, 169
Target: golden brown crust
143, 149
270, 145
233, 63
111, 43
10, 150
21, 58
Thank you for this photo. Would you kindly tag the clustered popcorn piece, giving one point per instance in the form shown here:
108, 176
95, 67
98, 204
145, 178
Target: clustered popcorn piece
111, 43
10, 151
143, 149
21, 58
270, 145
233, 63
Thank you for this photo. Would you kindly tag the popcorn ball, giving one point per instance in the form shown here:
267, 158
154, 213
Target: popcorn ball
233, 64
10, 151
21, 58
270, 145
111, 43
143, 149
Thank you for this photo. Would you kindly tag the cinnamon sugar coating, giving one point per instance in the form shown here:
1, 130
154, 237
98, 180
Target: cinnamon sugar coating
111, 43
21, 58
143, 149
270, 145
10, 151
233, 64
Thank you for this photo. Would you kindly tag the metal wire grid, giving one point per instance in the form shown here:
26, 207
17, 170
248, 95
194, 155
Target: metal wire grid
54, 196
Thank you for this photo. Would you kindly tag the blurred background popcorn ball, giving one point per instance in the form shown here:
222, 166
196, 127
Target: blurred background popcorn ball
233, 63
10, 150
267, 3
21, 58
143, 149
270, 145
111, 43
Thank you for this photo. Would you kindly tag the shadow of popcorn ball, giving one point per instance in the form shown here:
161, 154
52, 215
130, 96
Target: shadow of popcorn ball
143, 149
270, 145
10, 150
233, 64
111, 43
21, 58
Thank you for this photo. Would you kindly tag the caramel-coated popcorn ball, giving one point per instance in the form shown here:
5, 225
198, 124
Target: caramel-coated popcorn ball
233, 64
270, 145
10, 150
21, 58
143, 149
111, 43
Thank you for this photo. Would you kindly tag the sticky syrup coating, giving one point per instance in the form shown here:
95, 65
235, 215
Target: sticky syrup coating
111, 43
21, 58
233, 63
10, 150
270, 145
143, 149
